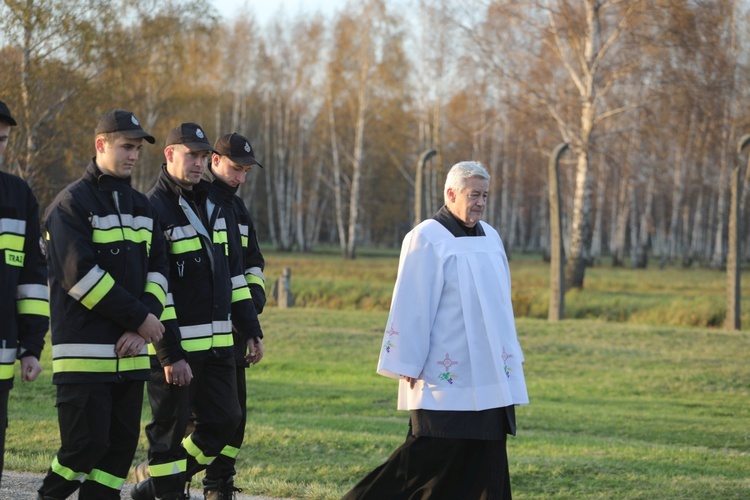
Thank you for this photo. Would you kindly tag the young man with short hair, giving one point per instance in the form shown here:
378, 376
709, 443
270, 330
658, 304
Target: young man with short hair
108, 288
232, 160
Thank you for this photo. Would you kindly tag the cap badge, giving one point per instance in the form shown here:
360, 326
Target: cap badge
247, 147
199, 133
135, 122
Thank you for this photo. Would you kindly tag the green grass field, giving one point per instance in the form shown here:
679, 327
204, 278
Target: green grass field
618, 409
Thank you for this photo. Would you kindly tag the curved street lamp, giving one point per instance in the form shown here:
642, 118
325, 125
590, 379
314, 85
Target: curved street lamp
557, 253
733, 320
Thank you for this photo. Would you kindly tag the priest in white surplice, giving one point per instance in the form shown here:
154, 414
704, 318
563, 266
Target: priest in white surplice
451, 341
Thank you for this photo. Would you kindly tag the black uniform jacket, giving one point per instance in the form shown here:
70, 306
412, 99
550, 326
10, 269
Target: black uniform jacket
207, 282
107, 271
24, 299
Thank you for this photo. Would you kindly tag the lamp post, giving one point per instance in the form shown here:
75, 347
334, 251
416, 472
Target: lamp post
423, 159
732, 320
557, 254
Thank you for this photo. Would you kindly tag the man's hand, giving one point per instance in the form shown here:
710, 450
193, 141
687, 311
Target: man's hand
30, 368
411, 381
255, 350
178, 373
129, 344
151, 329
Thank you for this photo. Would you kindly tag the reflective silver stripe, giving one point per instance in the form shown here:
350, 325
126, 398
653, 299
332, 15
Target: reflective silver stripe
193, 218
221, 224
159, 279
40, 292
244, 229
8, 355
255, 271
15, 226
238, 281
181, 233
170, 300
87, 283
105, 351
113, 221
196, 331
205, 330
222, 326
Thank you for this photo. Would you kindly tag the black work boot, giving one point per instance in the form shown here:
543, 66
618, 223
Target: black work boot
219, 489
144, 490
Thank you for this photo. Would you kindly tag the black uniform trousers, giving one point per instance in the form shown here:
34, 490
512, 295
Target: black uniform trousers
212, 396
222, 468
99, 428
3, 427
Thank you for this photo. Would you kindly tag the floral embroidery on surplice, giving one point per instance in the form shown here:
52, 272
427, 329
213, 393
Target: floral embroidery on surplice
388, 345
506, 368
448, 376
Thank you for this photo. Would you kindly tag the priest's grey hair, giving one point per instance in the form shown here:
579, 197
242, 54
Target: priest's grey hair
460, 172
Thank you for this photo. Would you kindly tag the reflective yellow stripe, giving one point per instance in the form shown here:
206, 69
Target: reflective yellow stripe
196, 452
65, 472
6, 371
241, 294
86, 365
32, 306
168, 469
168, 313
245, 241
230, 451
99, 291
183, 246
116, 234
223, 340
151, 350
11, 242
252, 279
106, 479
204, 344
157, 291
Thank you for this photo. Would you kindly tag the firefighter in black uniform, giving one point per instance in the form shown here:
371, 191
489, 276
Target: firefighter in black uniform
232, 159
24, 302
108, 284
210, 296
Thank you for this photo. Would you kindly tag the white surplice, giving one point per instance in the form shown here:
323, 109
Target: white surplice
451, 323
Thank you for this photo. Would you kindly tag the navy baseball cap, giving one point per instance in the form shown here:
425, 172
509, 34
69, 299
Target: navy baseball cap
190, 135
5, 114
123, 122
237, 148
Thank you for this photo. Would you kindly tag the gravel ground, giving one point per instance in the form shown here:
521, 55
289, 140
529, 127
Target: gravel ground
23, 486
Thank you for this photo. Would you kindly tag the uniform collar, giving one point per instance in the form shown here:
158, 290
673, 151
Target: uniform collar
105, 182
224, 190
197, 195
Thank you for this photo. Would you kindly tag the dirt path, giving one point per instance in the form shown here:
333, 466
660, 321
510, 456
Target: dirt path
23, 486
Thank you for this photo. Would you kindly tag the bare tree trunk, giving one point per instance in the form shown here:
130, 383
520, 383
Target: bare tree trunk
647, 222
596, 238
697, 238
505, 201
336, 175
359, 137
268, 146
633, 222
623, 214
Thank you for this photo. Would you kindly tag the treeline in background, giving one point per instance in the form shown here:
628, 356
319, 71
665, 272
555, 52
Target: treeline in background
343, 112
